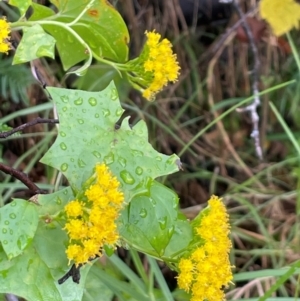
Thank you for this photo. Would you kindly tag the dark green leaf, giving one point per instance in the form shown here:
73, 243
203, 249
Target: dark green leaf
101, 27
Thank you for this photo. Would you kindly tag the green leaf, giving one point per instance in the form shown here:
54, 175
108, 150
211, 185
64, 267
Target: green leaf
35, 43
95, 289
101, 27
87, 136
40, 12
96, 78
150, 222
181, 238
22, 5
18, 223
33, 275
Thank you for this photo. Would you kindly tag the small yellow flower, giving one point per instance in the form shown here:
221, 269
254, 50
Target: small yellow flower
155, 67
4, 35
74, 208
207, 268
282, 15
73, 252
91, 222
185, 277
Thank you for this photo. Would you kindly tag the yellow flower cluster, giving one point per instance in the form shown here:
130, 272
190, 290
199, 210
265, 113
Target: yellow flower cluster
161, 63
4, 36
91, 221
207, 268
154, 68
282, 15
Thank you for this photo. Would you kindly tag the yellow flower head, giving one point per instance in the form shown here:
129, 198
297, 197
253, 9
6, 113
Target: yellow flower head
207, 268
4, 35
282, 15
91, 223
155, 67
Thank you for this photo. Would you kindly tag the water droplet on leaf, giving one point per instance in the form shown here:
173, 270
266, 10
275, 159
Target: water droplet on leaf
127, 177
96, 154
13, 204
119, 112
122, 161
63, 134
143, 213
4, 230
105, 112
109, 159
97, 115
64, 167
153, 202
78, 101
63, 146
64, 98
80, 121
139, 170
170, 161
114, 94
92, 101
6, 222
81, 163
12, 216
171, 231
137, 153
163, 223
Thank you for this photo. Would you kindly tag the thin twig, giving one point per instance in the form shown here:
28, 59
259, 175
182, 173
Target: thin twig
252, 108
26, 125
22, 177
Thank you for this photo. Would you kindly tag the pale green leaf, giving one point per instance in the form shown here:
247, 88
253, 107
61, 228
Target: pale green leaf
88, 135
35, 43
18, 223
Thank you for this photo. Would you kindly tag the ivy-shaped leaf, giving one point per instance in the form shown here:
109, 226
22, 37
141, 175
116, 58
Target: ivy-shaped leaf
18, 223
88, 135
35, 43
150, 223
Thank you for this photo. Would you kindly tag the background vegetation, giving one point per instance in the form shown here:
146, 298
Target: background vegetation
197, 119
